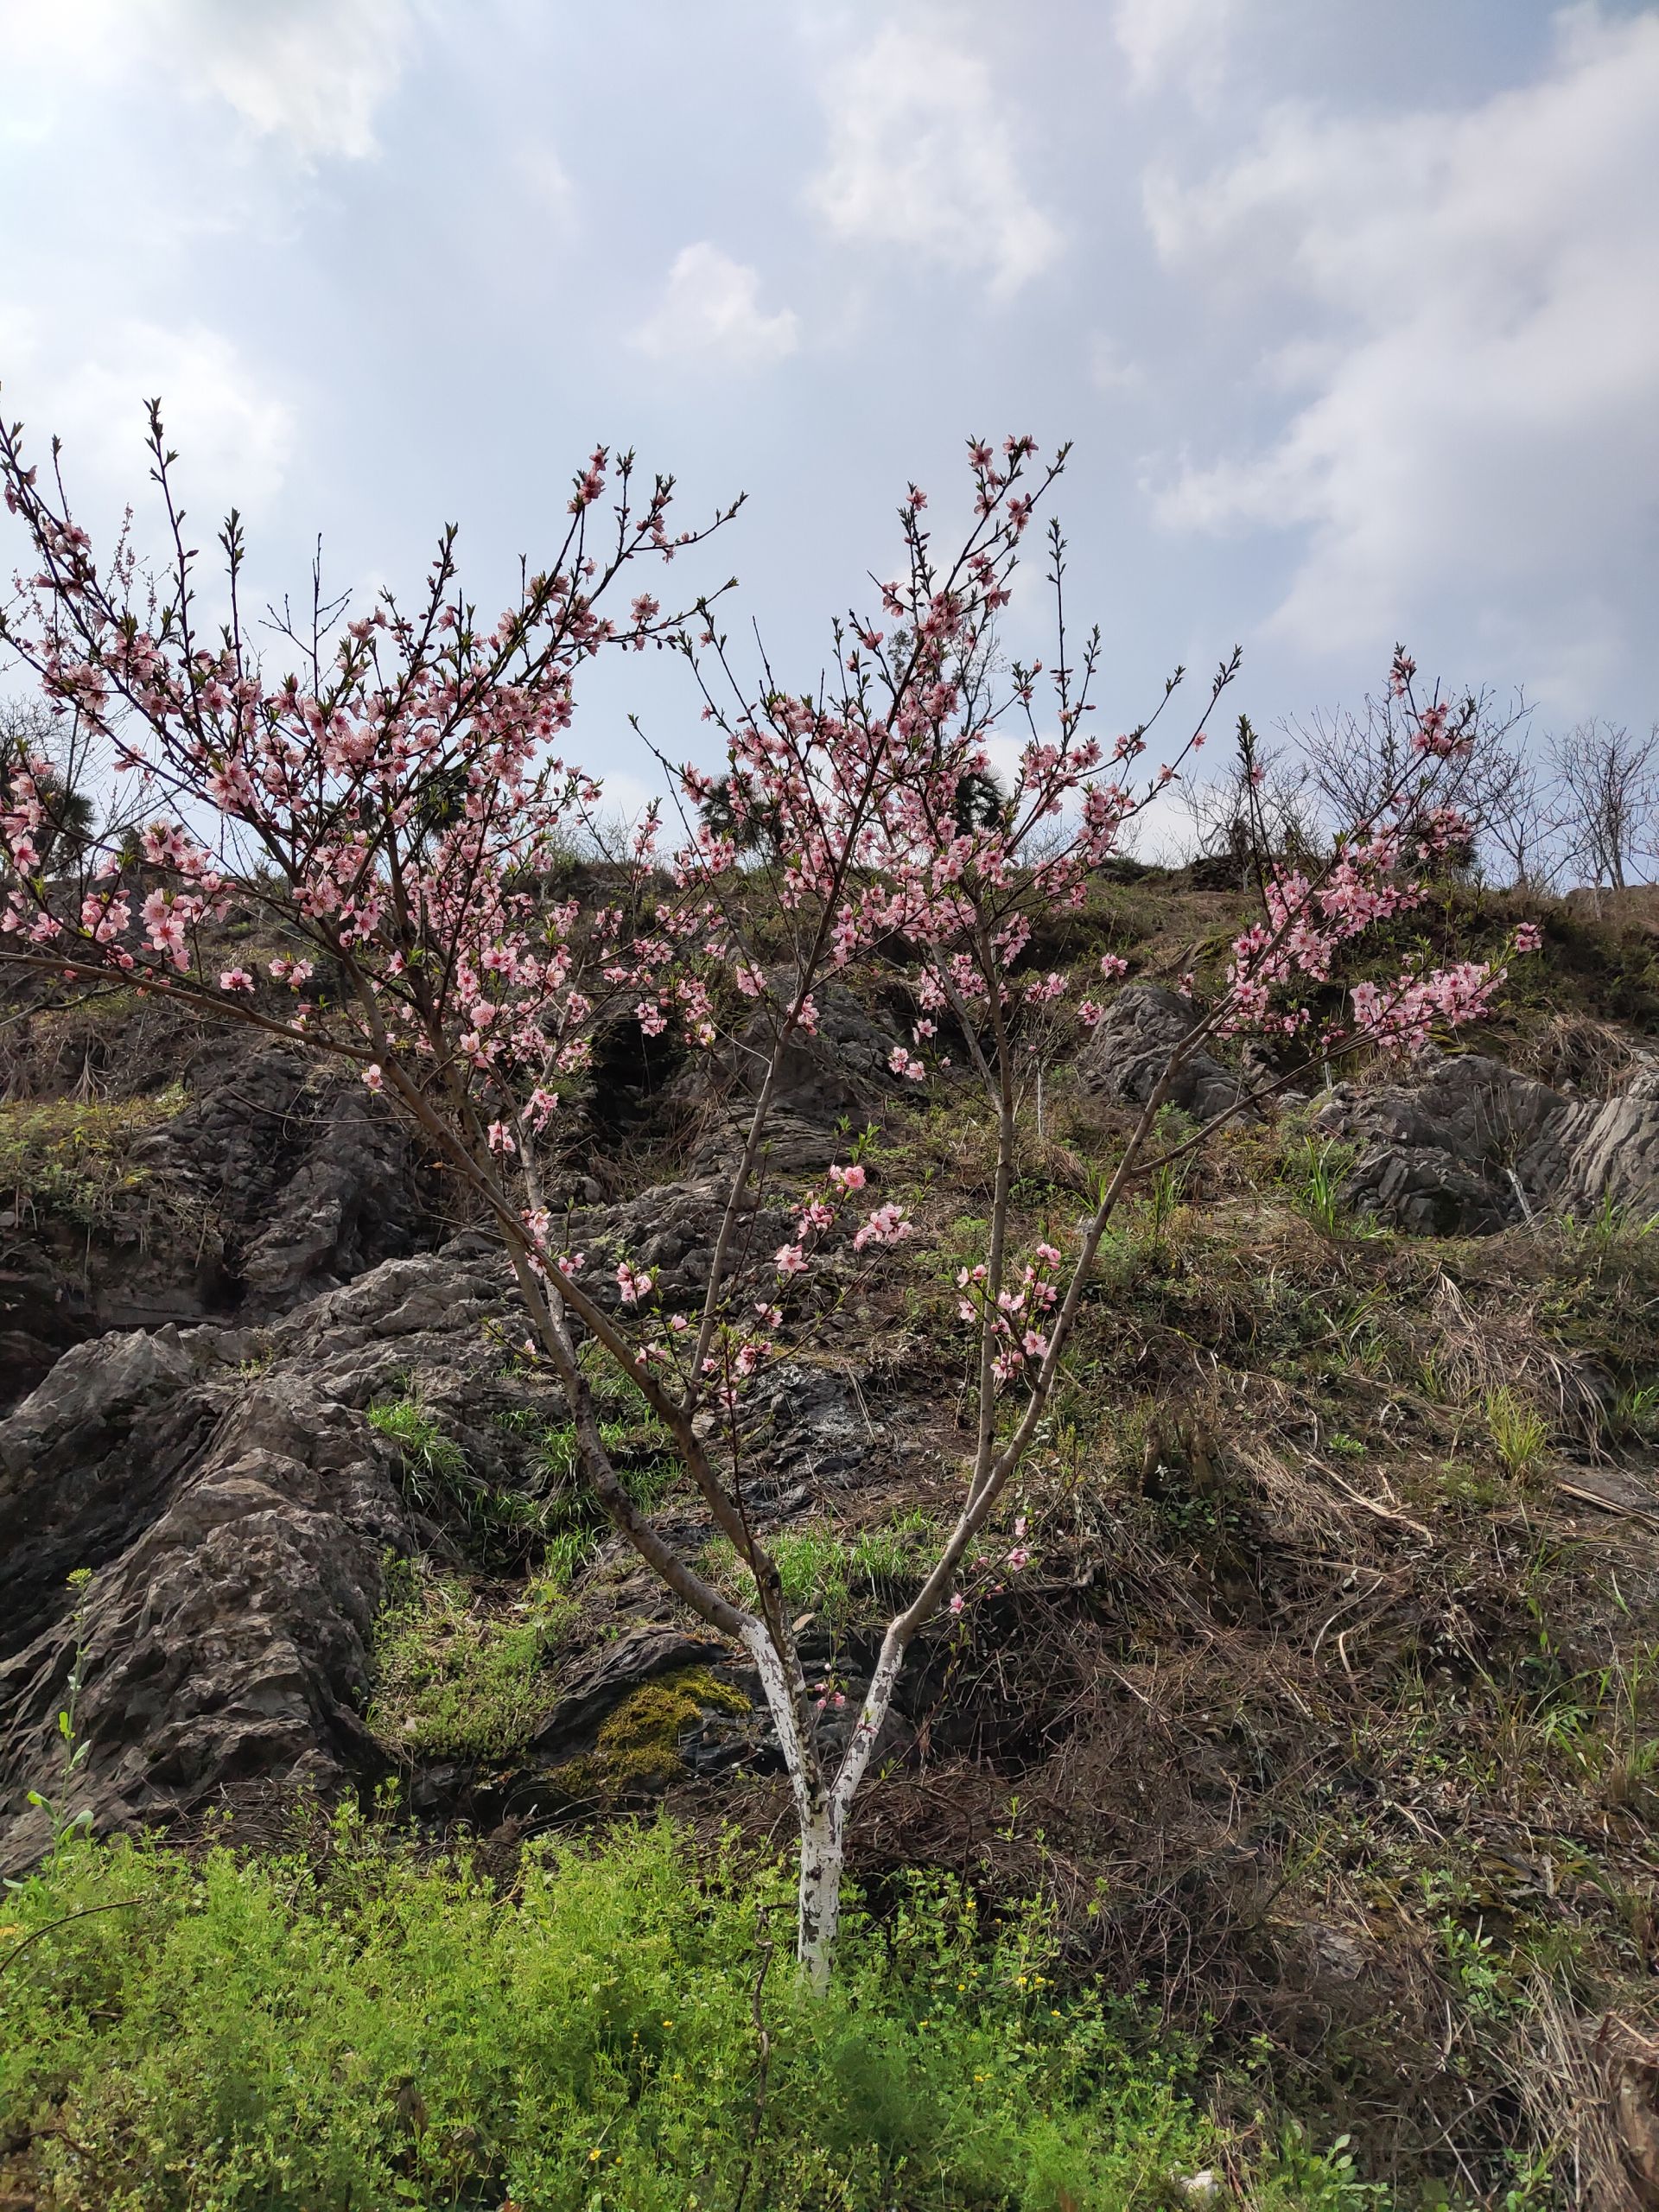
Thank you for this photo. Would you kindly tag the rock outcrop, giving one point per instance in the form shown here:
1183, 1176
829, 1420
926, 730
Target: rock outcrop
233, 1526
1464, 1146
1131, 1047
232, 1509
278, 1181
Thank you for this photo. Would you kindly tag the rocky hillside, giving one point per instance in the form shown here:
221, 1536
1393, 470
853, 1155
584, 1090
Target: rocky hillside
1323, 1713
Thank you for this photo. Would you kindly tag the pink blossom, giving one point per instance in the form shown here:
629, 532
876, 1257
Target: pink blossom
887, 1225
486, 983
1403, 1016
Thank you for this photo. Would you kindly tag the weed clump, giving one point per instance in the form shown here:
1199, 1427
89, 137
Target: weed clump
832, 1572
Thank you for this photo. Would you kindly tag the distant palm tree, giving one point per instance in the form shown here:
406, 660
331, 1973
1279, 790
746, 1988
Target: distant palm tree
29, 729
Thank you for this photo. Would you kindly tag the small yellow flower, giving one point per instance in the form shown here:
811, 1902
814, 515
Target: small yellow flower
593, 2157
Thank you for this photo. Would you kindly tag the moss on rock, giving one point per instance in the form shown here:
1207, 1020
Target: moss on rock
638, 1746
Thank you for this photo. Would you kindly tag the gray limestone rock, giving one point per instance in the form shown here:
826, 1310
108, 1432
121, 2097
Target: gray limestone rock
234, 1525
1131, 1047
1462, 1145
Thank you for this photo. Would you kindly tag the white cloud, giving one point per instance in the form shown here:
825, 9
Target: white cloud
1111, 369
1184, 40
548, 184
1479, 397
922, 157
710, 311
234, 437
312, 72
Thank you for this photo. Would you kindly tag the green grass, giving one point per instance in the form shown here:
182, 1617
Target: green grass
364, 2027
1519, 1431
1314, 1174
639, 1444
432, 1461
1610, 1231
566, 1553
640, 1451
453, 1682
72, 1157
502, 1522
820, 1567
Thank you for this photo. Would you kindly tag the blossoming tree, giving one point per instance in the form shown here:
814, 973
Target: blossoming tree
393, 806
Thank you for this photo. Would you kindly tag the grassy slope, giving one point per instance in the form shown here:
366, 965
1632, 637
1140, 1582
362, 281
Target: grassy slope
1322, 1719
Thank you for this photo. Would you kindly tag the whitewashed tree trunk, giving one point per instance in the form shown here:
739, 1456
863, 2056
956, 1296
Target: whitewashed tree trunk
824, 1854
821, 1806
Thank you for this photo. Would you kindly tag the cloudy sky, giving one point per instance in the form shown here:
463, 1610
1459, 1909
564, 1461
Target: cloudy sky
1351, 310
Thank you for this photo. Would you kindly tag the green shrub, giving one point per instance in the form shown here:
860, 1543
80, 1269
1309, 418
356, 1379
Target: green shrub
368, 2028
